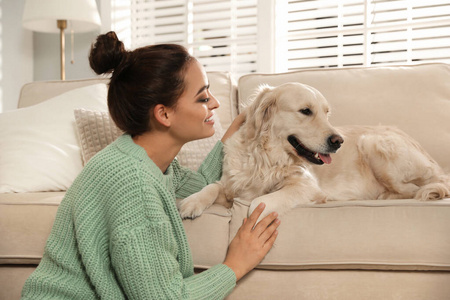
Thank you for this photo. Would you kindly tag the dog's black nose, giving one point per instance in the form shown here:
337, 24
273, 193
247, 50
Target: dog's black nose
335, 141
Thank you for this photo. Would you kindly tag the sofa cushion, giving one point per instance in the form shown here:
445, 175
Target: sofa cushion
414, 98
96, 130
25, 223
208, 236
26, 220
39, 147
378, 234
39, 91
342, 285
222, 85
192, 154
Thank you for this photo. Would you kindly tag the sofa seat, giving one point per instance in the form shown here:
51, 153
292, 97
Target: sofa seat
342, 285
365, 235
25, 223
26, 220
341, 235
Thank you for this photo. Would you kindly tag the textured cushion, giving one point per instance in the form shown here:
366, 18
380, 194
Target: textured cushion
378, 234
414, 98
193, 153
96, 130
38, 144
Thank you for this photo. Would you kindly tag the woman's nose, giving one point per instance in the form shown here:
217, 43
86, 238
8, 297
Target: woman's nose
213, 102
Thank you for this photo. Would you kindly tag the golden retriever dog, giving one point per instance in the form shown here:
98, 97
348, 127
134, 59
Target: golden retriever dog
281, 156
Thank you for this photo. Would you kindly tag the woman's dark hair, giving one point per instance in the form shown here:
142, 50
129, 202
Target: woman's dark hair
140, 79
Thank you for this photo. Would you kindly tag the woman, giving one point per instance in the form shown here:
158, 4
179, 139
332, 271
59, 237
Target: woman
117, 233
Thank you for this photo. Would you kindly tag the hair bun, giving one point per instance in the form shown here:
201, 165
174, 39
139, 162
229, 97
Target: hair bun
106, 53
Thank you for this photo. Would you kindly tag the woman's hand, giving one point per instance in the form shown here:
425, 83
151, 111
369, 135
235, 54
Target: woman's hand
251, 243
235, 125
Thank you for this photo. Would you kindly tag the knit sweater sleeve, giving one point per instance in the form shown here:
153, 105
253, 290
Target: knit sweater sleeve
188, 182
145, 261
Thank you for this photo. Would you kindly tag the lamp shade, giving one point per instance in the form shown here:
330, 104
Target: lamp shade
42, 15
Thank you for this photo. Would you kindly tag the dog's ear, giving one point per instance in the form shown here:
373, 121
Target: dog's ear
260, 112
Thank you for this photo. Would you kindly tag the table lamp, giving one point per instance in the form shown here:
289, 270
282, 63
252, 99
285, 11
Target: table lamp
54, 15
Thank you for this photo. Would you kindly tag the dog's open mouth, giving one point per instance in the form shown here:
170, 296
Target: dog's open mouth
314, 157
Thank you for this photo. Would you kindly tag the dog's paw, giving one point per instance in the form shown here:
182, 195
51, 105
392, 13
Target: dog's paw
320, 198
252, 207
267, 210
190, 208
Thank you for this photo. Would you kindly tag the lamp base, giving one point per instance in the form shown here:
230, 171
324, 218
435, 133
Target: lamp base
62, 25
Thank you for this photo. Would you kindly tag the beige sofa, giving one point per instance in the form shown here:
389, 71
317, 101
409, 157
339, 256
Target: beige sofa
394, 249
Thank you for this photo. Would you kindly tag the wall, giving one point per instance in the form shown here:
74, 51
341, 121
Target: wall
16, 53
47, 56
27, 56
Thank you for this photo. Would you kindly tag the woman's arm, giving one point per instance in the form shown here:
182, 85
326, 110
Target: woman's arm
146, 265
189, 182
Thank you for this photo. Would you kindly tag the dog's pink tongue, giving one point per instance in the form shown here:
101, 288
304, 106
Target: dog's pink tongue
326, 158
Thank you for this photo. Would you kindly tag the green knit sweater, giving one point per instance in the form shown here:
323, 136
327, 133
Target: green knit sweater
118, 234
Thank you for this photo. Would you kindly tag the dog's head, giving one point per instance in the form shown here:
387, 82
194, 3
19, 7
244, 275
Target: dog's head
295, 115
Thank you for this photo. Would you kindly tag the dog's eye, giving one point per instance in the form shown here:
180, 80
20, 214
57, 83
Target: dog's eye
306, 111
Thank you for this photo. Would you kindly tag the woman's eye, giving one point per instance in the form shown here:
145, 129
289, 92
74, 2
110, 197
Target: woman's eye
306, 111
204, 100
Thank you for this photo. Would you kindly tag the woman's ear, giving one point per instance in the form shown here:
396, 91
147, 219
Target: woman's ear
162, 115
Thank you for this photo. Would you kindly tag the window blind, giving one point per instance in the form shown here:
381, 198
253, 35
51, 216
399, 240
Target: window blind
321, 33
222, 34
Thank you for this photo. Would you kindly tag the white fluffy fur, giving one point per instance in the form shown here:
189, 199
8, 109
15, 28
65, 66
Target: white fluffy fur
260, 165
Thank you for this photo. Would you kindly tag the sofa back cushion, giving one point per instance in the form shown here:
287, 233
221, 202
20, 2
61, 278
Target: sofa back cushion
222, 85
416, 99
39, 91
39, 144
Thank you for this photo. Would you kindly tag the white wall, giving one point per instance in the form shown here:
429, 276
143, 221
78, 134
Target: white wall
27, 56
47, 56
16, 53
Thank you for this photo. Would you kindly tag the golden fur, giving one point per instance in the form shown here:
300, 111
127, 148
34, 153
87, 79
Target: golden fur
261, 165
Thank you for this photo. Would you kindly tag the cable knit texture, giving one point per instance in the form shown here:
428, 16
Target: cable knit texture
118, 234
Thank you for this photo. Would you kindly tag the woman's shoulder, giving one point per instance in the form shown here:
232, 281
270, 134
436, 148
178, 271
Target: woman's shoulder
122, 158
118, 168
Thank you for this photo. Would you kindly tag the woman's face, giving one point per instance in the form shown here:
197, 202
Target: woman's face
193, 114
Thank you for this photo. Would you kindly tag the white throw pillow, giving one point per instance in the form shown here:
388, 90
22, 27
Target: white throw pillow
39, 150
96, 131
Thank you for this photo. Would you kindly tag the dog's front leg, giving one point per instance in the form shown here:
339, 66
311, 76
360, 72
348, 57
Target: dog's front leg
287, 198
194, 205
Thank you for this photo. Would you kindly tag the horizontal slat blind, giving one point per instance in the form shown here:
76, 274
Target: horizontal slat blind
222, 34
121, 20
334, 33
158, 22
